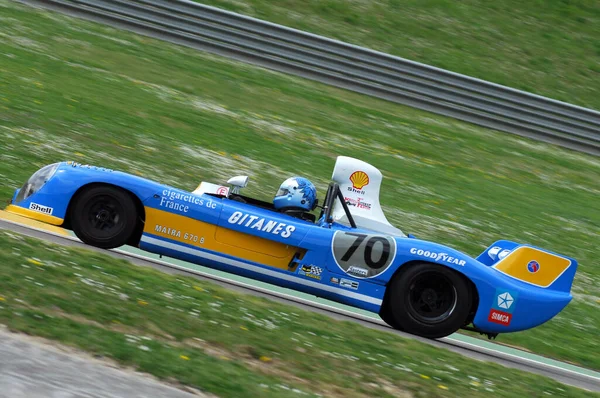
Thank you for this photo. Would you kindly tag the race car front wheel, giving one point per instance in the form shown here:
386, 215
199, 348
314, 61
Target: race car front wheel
429, 300
103, 216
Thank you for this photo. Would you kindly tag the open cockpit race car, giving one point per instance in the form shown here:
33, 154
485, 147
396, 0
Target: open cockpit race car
350, 253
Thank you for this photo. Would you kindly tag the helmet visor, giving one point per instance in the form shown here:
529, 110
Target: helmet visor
282, 192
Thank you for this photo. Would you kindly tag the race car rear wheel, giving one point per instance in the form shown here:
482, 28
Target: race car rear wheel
103, 216
430, 300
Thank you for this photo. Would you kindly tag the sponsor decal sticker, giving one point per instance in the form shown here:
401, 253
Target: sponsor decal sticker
181, 202
261, 224
223, 191
358, 271
505, 300
176, 233
358, 203
359, 179
533, 266
445, 257
334, 280
502, 318
356, 253
349, 284
41, 209
503, 306
311, 271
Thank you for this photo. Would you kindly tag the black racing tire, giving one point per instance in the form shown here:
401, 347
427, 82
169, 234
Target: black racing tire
429, 300
103, 216
386, 315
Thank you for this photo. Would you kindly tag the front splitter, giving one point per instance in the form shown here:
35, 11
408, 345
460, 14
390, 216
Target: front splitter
15, 218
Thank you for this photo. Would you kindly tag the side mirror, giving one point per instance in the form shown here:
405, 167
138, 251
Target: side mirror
411, 236
237, 183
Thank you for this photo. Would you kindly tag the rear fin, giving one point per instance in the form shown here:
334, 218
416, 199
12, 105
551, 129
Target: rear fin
539, 268
359, 184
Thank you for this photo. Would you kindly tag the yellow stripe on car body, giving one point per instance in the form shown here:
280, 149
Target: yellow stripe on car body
41, 223
212, 237
550, 266
45, 218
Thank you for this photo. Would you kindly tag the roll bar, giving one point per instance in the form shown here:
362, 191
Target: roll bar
333, 192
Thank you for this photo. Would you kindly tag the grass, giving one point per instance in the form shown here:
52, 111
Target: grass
71, 89
549, 48
198, 334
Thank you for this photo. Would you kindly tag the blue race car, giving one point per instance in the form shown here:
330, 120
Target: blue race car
350, 253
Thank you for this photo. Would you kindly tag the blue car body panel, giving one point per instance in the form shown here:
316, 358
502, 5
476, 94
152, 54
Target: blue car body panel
259, 243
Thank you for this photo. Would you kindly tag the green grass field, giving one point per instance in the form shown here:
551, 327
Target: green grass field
198, 334
73, 90
548, 47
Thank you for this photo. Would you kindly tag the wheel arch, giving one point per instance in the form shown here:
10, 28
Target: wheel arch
409, 264
141, 211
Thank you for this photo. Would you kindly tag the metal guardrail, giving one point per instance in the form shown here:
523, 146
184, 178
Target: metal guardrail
348, 66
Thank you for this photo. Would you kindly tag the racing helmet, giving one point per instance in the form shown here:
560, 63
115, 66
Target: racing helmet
296, 193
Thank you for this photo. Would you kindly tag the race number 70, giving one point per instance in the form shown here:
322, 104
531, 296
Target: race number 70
375, 252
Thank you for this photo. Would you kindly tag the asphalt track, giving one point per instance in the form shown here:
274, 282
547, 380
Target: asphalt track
30, 368
464, 345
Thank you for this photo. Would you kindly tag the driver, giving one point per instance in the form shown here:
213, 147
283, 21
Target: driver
296, 196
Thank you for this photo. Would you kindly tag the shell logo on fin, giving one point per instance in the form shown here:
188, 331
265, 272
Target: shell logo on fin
359, 179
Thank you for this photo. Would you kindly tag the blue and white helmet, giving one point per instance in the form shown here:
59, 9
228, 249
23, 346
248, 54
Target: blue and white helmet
296, 193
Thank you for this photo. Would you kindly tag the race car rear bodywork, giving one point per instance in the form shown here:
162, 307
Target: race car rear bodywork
351, 254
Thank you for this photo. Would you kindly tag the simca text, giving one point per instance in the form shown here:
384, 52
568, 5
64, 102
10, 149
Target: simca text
502, 318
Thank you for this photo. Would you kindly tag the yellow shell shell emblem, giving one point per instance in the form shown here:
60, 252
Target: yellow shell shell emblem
359, 179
